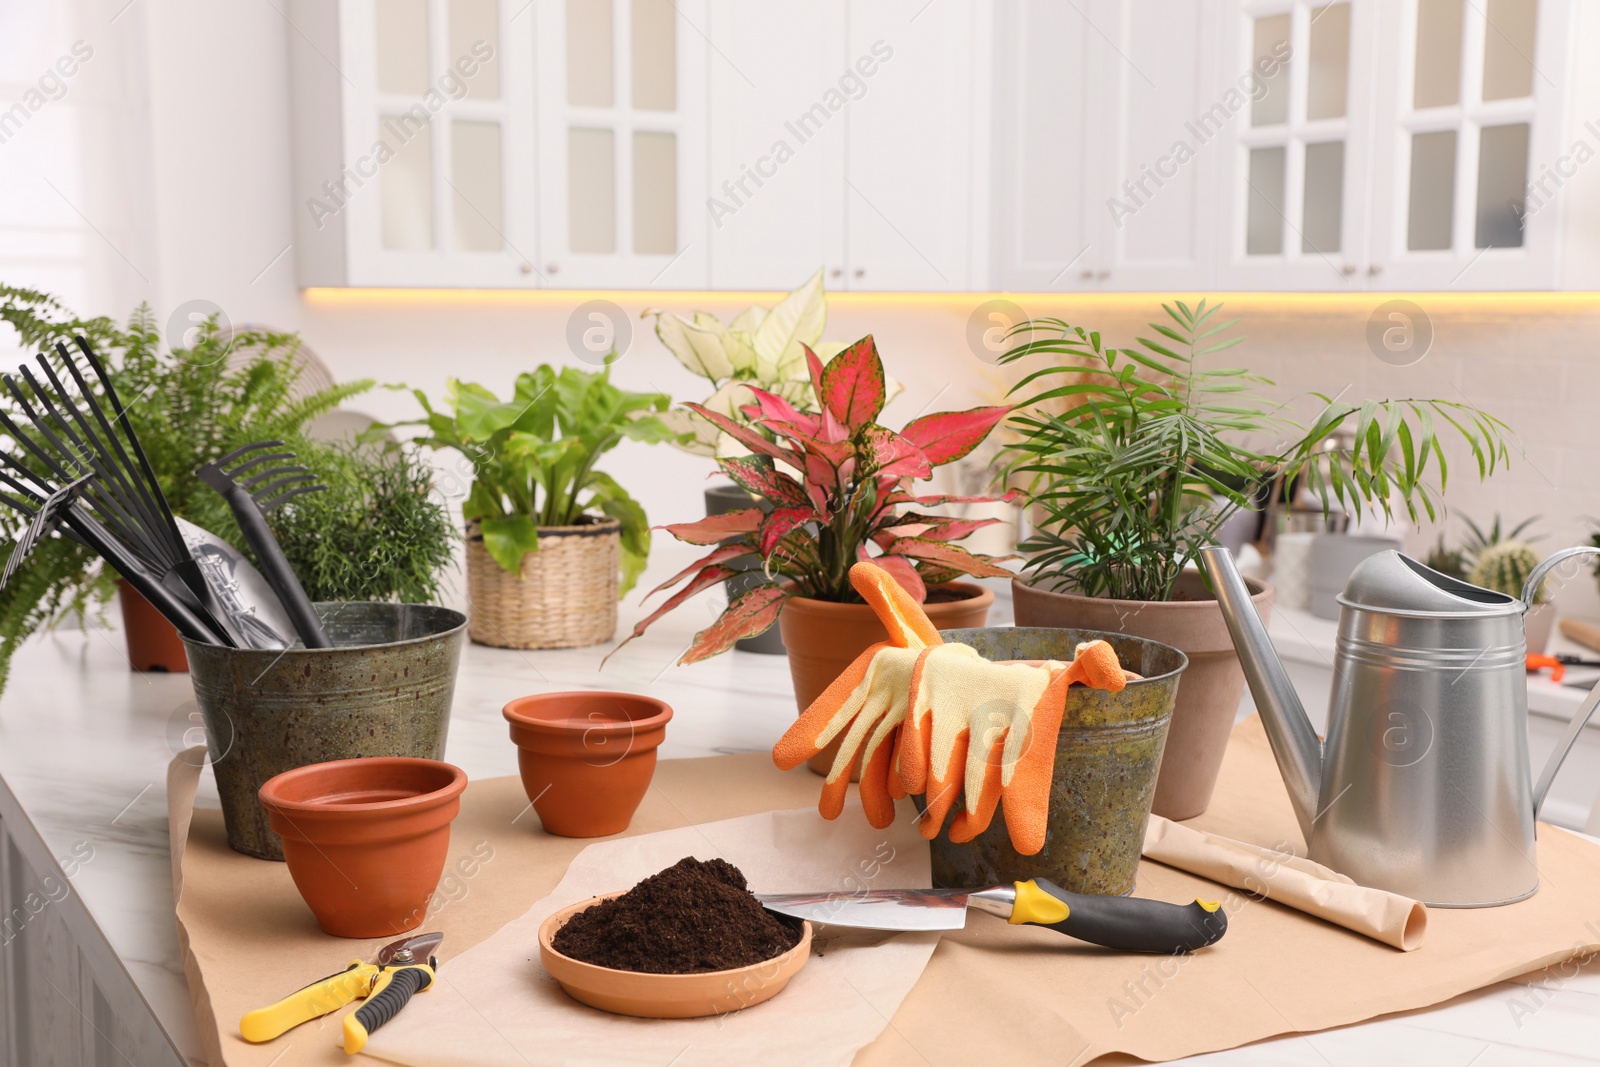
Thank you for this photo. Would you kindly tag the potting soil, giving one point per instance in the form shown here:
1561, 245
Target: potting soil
696, 915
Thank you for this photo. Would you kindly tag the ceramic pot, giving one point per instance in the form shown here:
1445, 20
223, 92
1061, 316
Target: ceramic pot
824, 638
1334, 557
1108, 757
667, 996
721, 499
563, 596
586, 758
153, 642
384, 689
1539, 620
1208, 701
366, 839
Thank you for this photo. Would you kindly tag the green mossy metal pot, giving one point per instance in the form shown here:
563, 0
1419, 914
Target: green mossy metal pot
1108, 754
384, 689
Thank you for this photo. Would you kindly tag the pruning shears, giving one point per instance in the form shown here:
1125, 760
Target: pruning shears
399, 970
1559, 663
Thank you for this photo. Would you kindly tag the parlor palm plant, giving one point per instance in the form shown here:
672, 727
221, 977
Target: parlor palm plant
1133, 458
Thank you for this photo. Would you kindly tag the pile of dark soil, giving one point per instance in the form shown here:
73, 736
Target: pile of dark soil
696, 915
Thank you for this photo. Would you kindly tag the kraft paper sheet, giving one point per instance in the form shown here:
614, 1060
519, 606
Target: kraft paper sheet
989, 992
1290, 880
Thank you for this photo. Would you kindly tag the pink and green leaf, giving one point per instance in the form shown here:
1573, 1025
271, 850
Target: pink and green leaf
892, 455
946, 436
943, 527
852, 385
750, 614
722, 554
778, 525
714, 528
705, 579
815, 367
744, 434
760, 476
778, 415
944, 554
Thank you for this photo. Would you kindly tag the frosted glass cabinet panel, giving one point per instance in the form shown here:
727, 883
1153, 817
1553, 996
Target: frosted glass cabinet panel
1483, 88
622, 150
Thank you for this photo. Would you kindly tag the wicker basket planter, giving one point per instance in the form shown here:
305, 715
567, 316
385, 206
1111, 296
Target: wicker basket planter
564, 597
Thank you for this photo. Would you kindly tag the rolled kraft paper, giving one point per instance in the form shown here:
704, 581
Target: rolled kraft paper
1292, 881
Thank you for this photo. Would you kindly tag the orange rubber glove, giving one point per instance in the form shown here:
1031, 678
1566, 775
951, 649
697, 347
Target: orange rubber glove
1013, 710
866, 704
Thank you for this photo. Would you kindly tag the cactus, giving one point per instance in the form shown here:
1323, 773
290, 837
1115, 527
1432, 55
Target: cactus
1505, 567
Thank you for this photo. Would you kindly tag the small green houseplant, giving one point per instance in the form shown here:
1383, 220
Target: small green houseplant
1135, 457
194, 404
1504, 566
552, 541
841, 489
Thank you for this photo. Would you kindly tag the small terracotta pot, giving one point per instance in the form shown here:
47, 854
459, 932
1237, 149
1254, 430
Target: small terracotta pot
153, 642
587, 758
667, 996
1208, 699
824, 638
365, 839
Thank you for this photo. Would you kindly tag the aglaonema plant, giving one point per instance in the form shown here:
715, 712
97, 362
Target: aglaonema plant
840, 486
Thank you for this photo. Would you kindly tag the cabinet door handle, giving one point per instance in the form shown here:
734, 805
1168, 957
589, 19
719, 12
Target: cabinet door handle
1103, 275
1086, 276
526, 268
1348, 269
1376, 268
837, 272
860, 272
552, 268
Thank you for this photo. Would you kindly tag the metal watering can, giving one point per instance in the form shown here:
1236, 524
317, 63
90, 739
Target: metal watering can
1422, 786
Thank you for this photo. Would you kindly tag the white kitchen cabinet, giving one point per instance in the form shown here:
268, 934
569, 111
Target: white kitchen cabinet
775, 206
911, 153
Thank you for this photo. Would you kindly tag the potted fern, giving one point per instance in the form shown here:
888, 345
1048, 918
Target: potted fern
552, 541
199, 402
1135, 457
841, 489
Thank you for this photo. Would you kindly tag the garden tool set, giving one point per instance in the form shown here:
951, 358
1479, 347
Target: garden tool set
77, 466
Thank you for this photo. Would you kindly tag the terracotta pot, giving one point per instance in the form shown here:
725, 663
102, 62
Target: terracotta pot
366, 839
667, 996
824, 638
153, 642
1208, 699
587, 758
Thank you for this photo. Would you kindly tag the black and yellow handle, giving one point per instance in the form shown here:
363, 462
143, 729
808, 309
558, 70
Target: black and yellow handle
309, 1002
1129, 924
392, 991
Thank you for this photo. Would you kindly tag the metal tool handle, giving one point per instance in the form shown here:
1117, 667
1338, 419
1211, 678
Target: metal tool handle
309, 1002
275, 566
1128, 924
393, 991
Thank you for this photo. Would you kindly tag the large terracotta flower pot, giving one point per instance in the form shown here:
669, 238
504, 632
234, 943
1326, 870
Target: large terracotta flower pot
153, 642
824, 638
366, 839
587, 758
1208, 700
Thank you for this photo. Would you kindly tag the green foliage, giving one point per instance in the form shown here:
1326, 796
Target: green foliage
190, 405
374, 534
1504, 567
1137, 456
534, 457
1450, 561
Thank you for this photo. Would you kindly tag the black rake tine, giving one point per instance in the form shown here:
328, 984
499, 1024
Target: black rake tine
29, 443
128, 519
269, 505
37, 494
154, 507
121, 413
27, 511
242, 449
238, 473
266, 476
282, 483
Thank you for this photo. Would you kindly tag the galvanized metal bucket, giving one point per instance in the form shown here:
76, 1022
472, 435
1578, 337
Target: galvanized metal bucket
384, 689
1108, 754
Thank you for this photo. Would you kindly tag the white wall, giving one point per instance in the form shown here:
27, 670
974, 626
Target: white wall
215, 176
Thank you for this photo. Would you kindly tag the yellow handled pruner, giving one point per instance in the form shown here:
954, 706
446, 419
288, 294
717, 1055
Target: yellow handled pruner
400, 969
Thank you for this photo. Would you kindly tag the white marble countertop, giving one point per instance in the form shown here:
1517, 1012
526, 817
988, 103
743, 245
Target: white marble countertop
84, 746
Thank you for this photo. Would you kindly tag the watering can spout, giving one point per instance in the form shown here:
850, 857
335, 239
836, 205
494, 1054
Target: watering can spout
1294, 742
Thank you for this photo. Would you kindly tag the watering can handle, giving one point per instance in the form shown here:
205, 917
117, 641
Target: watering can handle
1530, 589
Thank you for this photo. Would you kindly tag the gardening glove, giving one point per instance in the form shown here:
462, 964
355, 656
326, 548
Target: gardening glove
865, 704
984, 731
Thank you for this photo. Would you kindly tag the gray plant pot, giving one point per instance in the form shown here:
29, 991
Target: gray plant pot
721, 499
384, 689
